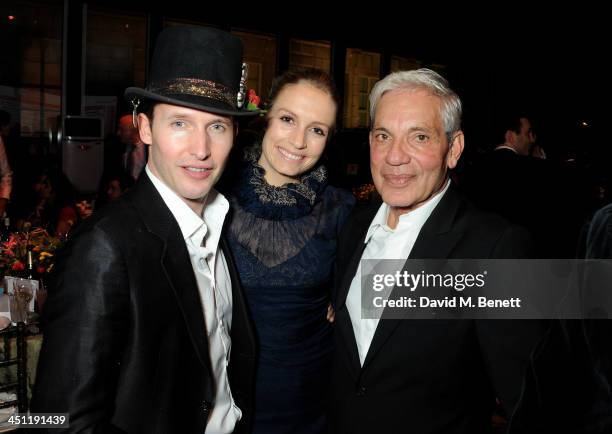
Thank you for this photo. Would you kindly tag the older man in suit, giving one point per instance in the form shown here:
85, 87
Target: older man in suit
421, 376
146, 328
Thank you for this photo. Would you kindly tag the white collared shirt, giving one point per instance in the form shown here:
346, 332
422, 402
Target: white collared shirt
202, 239
382, 242
506, 147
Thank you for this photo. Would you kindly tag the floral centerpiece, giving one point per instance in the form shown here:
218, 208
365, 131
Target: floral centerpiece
365, 193
14, 251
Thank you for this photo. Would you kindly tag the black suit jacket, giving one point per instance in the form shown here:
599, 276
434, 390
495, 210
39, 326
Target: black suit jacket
568, 387
125, 346
532, 193
430, 376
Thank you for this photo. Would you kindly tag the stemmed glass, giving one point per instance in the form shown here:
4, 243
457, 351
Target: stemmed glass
20, 299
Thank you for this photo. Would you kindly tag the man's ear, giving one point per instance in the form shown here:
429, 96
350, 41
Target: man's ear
509, 136
456, 149
144, 129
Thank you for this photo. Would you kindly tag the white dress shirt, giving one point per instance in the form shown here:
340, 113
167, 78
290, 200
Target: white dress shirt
382, 242
202, 236
506, 147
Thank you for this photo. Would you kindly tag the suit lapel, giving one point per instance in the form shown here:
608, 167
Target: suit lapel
354, 247
344, 325
349, 272
174, 261
180, 275
429, 246
436, 240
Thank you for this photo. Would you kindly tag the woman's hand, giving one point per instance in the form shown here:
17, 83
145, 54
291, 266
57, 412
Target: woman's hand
331, 315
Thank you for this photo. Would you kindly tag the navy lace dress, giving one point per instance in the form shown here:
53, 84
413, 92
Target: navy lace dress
284, 242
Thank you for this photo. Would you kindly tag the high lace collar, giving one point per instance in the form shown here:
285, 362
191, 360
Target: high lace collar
285, 202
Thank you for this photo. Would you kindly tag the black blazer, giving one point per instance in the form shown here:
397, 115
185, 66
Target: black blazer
125, 347
430, 376
568, 387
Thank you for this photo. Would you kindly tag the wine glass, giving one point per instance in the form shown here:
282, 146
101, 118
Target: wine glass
41, 296
20, 300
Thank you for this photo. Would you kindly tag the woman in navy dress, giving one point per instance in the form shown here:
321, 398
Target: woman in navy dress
283, 227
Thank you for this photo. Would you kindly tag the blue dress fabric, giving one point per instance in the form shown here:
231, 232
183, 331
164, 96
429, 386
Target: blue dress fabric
283, 240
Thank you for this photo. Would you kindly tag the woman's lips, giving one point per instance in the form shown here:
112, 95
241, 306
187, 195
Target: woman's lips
289, 155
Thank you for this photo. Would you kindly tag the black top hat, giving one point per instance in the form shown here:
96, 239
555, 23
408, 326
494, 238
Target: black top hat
196, 67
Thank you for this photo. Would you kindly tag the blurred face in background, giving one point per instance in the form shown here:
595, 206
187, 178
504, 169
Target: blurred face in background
126, 131
522, 140
43, 187
114, 191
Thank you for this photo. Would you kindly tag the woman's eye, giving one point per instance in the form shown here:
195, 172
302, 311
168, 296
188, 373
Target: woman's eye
286, 118
319, 131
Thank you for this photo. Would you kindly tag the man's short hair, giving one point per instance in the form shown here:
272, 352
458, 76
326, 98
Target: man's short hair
147, 107
422, 79
506, 120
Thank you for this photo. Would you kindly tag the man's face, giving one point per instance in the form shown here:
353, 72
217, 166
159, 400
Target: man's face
409, 151
189, 149
43, 187
524, 138
113, 191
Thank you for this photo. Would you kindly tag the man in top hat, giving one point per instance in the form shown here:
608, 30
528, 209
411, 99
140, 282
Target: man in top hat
145, 327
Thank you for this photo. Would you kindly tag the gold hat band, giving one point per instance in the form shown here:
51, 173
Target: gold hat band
196, 87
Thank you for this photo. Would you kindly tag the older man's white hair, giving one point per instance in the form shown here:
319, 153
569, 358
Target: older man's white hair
422, 79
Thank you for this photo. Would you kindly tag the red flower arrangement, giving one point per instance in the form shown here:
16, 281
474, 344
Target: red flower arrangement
14, 251
365, 193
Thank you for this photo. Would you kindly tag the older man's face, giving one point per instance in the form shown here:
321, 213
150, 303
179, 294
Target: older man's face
409, 150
